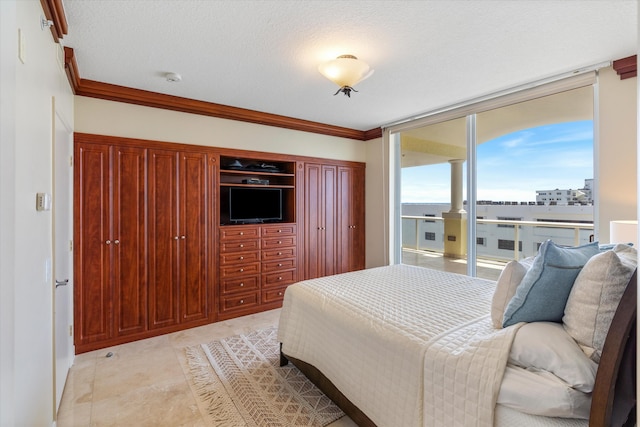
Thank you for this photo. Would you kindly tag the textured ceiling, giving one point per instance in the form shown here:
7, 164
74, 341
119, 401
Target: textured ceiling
263, 55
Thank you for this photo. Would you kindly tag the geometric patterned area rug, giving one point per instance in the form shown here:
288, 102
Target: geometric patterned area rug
239, 382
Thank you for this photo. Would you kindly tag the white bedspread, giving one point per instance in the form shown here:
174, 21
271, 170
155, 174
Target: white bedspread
407, 345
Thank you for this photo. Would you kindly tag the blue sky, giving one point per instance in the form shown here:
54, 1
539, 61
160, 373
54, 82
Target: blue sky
512, 167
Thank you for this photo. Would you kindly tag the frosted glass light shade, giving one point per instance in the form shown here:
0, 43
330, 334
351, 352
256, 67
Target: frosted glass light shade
622, 231
345, 70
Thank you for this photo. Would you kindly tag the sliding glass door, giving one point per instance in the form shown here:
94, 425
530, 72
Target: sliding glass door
534, 176
492, 182
434, 220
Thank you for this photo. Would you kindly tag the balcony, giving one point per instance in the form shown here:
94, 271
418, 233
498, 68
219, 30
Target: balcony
495, 242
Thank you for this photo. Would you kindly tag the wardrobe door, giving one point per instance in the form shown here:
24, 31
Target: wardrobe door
313, 221
320, 220
129, 261
164, 238
193, 253
350, 219
330, 220
93, 291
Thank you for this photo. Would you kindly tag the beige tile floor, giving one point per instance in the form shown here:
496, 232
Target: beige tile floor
144, 383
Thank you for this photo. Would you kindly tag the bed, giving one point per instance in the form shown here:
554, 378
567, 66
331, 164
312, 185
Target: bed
408, 346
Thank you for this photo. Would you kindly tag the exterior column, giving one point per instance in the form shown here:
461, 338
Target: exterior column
455, 221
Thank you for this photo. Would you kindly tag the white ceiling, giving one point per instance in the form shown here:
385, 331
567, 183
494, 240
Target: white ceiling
263, 55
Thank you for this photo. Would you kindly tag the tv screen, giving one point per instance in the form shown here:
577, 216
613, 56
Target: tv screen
255, 204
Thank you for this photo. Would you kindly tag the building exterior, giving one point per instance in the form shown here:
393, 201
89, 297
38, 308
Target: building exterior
582, 196
496, 240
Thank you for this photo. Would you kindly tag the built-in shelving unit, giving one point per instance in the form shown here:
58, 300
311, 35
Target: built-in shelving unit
170, 257
257, 173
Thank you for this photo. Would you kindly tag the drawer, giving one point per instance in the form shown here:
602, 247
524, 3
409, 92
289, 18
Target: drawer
277, 242
240, 245
239, 257
235, 233
239, 302
279, 278
237, 284
280, 253
273, 295
240, 269
283, 264
279, 230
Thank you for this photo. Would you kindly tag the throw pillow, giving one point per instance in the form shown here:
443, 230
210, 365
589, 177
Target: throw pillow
595, 296
544, 290
510, 277
546, 346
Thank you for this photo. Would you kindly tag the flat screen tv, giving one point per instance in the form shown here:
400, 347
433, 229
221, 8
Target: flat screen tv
255, 205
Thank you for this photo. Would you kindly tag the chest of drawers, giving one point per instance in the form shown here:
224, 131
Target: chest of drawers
257, 263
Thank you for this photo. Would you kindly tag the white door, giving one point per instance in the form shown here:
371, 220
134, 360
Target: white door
62, 255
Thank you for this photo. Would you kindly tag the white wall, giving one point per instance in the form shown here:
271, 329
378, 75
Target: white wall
377, 202
7, 194
134, 121
617, 157
28, 90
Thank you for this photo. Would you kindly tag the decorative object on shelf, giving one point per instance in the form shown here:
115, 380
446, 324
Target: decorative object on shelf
346, 71
235, 165
253, 167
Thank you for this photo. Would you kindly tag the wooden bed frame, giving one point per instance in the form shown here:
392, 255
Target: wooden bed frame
614, 394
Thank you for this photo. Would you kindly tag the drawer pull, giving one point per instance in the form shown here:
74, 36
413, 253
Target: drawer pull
279, 242
241, 245
242, 233
280, 278
241, 285
241, 301
241, 257
279, 294
280, 265
279, 231
241, 270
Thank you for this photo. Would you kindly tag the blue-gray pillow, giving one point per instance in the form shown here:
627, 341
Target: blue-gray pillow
544, 290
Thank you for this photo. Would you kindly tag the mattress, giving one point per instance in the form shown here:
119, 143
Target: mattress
409, 346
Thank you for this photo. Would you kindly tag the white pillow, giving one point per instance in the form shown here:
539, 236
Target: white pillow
542, 393
595, 296
546, 346
509, 279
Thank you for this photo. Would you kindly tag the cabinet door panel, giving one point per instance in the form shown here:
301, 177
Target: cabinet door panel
358, 243
350, 218
313, 221
344, 220
193, 237
329, 249
93, 290
163, 239
129, 244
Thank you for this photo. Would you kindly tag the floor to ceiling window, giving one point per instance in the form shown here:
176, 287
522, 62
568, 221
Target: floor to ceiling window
529, 165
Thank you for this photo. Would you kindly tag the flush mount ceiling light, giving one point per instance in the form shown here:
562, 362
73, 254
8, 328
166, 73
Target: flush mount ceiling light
345, 71
173, 77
